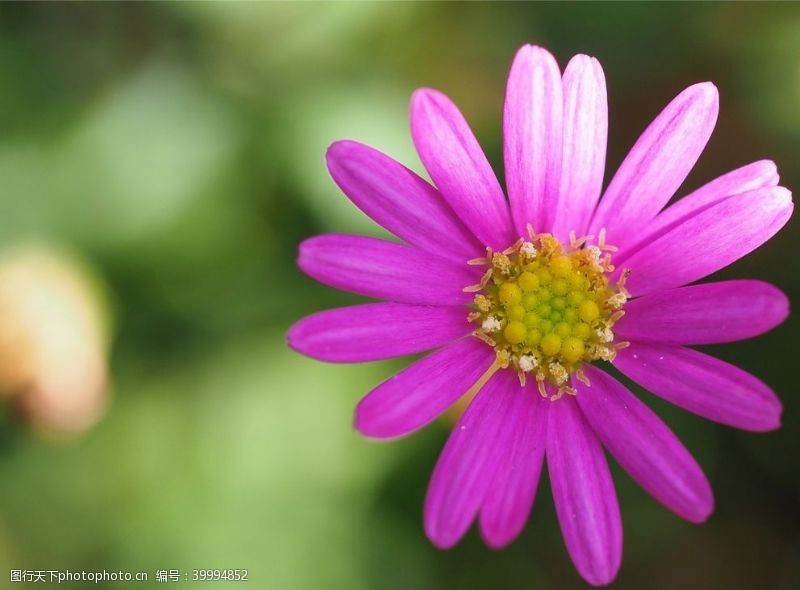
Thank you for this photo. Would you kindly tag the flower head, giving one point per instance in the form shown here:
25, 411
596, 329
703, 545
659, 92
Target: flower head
520, 297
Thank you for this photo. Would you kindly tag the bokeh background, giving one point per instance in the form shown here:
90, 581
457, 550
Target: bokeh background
159, 164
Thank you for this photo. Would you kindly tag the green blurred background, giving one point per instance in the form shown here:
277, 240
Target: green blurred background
176, 150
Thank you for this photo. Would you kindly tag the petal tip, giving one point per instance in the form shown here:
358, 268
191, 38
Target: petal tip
441, 539
424, 95
494, 539
703, 96
359, 420
767, 166
599, 581
363, 423
532, 56
295, 338
709, 101
424, 103
343, 158
764, 173
772, 420
494, 543
586, 67
783, 194
291, 341
782, 305
703, 510
583, 60
531, 49
290, 338
707, 90
602, 574
339, 148
366, 421
304, 249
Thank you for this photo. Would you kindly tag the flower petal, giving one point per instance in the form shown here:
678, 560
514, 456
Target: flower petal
532, 130
658, 163
704, 314
703, 385
509, 500
585, 139
759, 174
459, 168
385, 270
400, 201
419, 393
585, 499
468, 462
376, 331
710, 240
645, 447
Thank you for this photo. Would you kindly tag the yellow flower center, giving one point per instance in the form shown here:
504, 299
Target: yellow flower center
547, 309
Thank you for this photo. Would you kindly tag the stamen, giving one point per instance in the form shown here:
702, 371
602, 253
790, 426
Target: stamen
616, 316
607, 266
514, 247
576, 243
476, 387
540, 385
617, 300
604, 335
487, 276
503, 359
528, 363
481, 261
558, 372
528, 250
594, 258
601, 242
482, 303
502, 263
481, 335
561, 391
623, 278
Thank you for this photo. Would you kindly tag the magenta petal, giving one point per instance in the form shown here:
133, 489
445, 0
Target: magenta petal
376, 331
385, 270
645, 447
459, 168
704, 314
585, 138
658, 163
468, 462
710, 240
761, 174
532, 130
419, 393
400, 201
509, 500
585, 499
703, 385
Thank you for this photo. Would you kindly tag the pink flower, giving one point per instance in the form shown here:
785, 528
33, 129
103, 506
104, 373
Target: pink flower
536, 279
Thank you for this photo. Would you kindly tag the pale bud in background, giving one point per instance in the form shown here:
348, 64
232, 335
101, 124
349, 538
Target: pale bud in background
53, 344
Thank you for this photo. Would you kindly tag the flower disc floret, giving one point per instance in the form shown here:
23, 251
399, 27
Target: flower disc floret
547, 309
